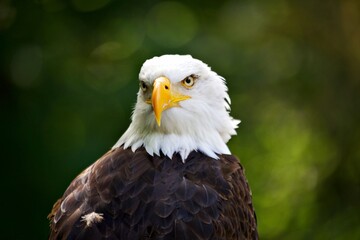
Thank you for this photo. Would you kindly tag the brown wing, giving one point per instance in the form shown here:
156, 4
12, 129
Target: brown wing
137, 196
238, 219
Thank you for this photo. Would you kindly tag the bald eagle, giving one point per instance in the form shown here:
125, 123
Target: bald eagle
171, 174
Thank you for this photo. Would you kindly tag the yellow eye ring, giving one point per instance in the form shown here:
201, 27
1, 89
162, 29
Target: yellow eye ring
188, 82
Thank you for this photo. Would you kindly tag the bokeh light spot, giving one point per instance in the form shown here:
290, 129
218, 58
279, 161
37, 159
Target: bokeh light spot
241, 21
171, 24
292, 157
110, 50
105, 76
279, 58
126, 37
107, 69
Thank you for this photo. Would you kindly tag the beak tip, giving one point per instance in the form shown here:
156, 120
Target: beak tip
158, 121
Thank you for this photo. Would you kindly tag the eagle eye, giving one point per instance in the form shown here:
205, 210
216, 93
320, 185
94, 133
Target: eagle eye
143, 86
189, 81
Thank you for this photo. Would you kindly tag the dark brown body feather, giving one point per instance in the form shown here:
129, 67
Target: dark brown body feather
145, 197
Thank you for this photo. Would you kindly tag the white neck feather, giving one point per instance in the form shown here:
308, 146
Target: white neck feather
178, 135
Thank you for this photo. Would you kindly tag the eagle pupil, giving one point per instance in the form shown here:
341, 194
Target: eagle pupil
189, 81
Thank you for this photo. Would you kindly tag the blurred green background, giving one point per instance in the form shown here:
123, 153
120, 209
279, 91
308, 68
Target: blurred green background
69, 70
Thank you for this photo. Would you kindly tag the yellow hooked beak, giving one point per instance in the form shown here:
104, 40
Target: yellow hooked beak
164, 98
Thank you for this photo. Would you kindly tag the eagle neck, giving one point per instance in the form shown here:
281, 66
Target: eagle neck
208, 142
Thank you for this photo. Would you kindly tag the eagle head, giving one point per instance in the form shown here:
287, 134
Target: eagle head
182, 106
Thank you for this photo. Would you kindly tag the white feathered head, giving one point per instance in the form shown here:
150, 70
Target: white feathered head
182, 105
